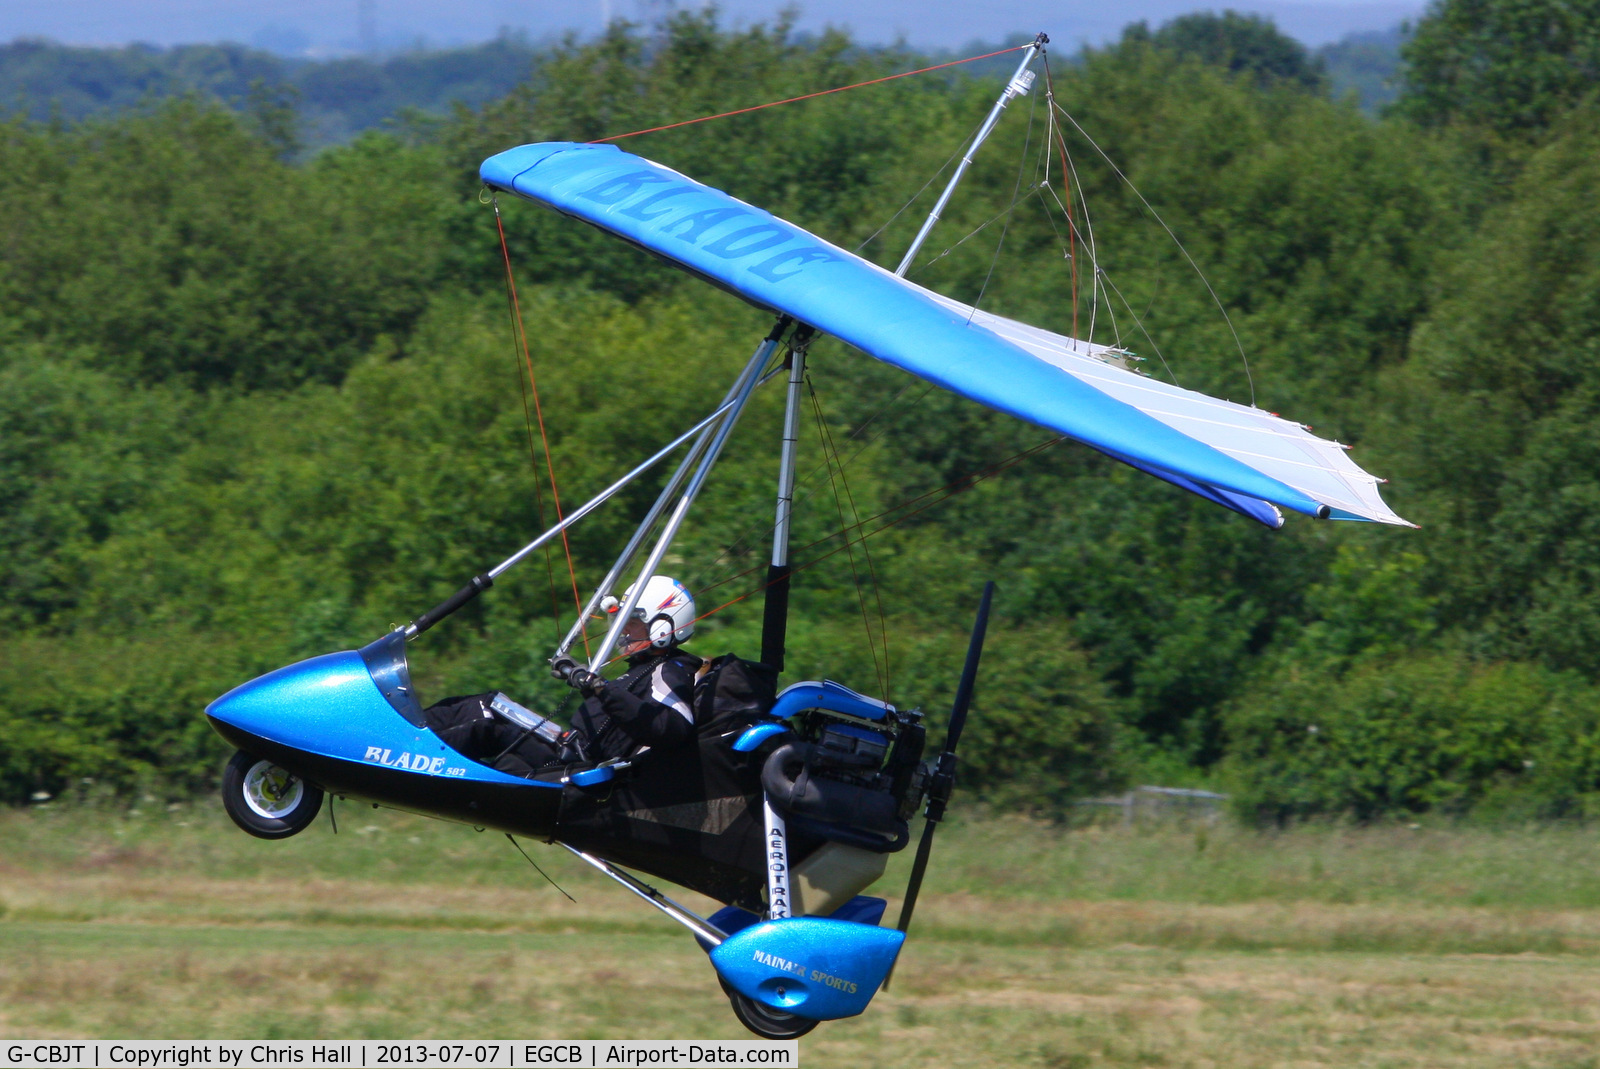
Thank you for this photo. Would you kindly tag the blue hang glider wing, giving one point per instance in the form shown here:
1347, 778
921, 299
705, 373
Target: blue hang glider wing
1241, 458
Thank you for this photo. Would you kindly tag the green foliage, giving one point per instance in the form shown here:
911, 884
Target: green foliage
77, 449
1418, 734
1366, 64
1246, 45
117, 711
335, 99
255, 406
1494, 416
43, 80
1367, 607
1507, 66
177, 247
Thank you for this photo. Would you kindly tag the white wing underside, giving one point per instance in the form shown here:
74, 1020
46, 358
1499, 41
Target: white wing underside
1277, 447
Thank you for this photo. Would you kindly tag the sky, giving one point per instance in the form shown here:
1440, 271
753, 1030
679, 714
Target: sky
332, 27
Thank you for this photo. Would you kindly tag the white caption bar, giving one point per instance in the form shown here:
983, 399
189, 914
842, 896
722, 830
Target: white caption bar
370, 1054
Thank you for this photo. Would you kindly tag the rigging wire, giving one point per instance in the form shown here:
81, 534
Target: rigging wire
1094, 308
540, 871
881, 666
1249, 378
1103, 273
1094, 251
917, 195
1116, 331
1067, 177
740, 544
527, 419
974, 232
948, 491
520, 337
1016, 197
1088, 222
866, 552
1140, 322
808, 96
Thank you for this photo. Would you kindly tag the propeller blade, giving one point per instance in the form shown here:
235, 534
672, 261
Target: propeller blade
969, 673
943, 779
914, 885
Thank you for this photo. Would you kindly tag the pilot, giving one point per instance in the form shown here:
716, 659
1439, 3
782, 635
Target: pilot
652, 703
649, 705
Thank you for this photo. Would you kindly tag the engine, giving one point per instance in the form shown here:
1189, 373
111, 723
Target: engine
850, 779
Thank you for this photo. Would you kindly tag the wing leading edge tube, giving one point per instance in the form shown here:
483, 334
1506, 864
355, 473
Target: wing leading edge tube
1222, 455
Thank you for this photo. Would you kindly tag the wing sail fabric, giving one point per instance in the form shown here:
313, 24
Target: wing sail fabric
1235, 456
1287, 451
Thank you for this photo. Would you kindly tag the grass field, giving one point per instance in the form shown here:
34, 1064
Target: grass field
1034, 946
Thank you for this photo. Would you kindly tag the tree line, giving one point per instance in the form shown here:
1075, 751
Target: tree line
256, 405
337, 98
334, 99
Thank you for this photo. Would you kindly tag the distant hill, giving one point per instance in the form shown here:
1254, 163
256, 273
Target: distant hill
336, 98
1367, 64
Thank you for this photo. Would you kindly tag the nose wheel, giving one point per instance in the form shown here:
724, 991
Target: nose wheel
763, 1020
267, 801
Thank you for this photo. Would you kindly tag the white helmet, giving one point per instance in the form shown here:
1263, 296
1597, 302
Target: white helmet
666, 606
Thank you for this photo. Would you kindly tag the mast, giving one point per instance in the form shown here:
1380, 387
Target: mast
775, 611
1018, 86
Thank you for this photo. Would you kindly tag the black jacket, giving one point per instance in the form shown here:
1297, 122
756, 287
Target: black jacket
651, 704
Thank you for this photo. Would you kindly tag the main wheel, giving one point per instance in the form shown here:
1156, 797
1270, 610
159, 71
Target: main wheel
763, 1020
267, 801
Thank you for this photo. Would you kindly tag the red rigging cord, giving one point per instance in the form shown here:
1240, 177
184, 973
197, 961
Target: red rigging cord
544, 437
809, 96
527, 420
521, 331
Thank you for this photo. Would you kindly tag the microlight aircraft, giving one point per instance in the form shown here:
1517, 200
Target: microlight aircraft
793, 804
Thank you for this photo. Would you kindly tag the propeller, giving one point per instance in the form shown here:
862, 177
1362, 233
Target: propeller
943, 778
